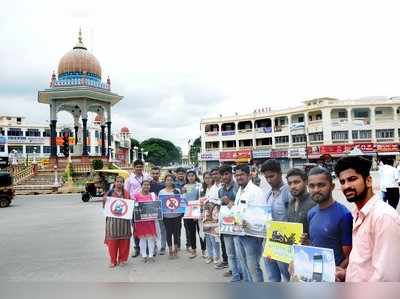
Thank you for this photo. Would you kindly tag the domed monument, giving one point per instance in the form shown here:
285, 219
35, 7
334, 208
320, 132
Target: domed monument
78, 89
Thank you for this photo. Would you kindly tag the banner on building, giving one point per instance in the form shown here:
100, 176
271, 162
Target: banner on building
172, 204
146, 211
211, 218
261, 153
264, 130
276, 154
25, 139
71, 140
243, 156
228, 133
256, 217
313, 264
280, 238
297, 153
119, 208
209, 156
228, 156
230, 222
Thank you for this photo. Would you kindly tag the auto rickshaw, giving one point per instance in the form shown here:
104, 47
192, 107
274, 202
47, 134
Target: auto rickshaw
7, 190
100, 181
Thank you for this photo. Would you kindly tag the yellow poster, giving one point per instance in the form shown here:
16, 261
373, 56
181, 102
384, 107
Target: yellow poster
280, 238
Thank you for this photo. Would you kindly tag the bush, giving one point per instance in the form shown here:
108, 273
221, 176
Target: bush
97, 164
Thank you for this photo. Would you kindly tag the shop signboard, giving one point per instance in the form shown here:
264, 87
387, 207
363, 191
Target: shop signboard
261, 153
209, 156
228, 156
275, 154
297, 153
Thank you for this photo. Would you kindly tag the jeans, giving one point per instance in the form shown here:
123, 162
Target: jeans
162, 235
276, 271
233, 261
213, 249
249, 250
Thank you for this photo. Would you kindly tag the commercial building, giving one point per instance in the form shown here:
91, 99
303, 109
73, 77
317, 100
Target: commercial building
321, 128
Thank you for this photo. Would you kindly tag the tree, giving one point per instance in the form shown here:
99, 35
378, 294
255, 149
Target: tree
194, 151
160, 152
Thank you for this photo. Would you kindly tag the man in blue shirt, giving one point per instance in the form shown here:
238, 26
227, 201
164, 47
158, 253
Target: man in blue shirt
330, 223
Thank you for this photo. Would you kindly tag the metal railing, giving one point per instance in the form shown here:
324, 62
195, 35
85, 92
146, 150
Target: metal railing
21, 174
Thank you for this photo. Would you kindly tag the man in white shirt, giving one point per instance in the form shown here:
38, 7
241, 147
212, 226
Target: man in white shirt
249, 249
389, 177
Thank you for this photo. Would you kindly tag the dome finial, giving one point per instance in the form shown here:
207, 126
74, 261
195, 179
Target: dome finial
80, 44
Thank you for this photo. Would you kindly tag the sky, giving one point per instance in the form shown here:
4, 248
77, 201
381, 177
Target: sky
176, 62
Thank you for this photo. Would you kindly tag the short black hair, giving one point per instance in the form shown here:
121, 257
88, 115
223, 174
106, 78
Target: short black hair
180, 169
215, 169
360, 165
243, 167
271, 165
297, 172
317, 170
225, 168
137, 162
155, 168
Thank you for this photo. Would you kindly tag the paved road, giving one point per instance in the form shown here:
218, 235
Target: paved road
60, 238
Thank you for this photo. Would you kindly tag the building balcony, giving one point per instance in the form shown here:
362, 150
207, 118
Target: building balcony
212, 149
212, 134
263, 130
360, 121
316, 141
228, 149
337, 122
340, 140
245, 147
228, 133
284, 129
263, 146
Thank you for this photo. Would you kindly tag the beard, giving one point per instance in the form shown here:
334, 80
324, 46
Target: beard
358, 196
320, 198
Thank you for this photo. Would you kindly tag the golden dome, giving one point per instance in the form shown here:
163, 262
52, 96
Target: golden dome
79, 60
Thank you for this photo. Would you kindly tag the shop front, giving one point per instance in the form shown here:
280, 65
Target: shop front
209, 160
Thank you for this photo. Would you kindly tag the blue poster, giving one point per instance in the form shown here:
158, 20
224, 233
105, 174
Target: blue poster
172, 204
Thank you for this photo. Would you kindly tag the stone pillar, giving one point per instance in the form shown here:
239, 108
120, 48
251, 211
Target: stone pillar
53, 139
76, 128
109, 139
84, 137
103, 140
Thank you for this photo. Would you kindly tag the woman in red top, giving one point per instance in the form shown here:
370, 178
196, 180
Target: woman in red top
146, 230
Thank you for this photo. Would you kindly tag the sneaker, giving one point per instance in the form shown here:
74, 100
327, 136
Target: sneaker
220, 265
162, 251
204, 254
228, 273
216, 261
192, 255
209, 260
135, 254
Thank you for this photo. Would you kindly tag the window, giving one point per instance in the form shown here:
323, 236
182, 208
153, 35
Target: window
282, 139
15, 132
32, 132
299, 138
378, 112
46, 149
230, 143
340, 135
361, 113
29, 149
18, 148
2, 132
264, 141
342, 114
319, 136
247, 142
300, 119
362, 134
19, 120
385, 133
46, 133
96, 149
2, 148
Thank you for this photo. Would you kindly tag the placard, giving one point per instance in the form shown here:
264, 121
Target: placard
313, 264
280, 238
230, 222
119, 208
193, 210
147, 211
172, 204
210, 218
256, 217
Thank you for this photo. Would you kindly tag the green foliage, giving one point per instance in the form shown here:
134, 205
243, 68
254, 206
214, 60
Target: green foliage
160, 152
97, 164
195, 149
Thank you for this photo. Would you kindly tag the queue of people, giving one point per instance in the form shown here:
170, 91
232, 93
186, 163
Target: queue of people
365, 243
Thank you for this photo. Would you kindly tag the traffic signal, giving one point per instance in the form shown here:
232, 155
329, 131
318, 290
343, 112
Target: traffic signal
65, 149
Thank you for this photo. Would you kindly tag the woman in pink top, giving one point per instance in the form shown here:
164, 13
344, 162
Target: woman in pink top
146, 230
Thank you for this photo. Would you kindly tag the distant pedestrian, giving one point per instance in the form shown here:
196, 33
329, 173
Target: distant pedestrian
389, 177
118, 231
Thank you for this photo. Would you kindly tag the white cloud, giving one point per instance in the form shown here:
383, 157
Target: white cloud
243, 55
